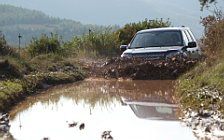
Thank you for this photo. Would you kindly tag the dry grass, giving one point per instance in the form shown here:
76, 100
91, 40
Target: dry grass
210, 72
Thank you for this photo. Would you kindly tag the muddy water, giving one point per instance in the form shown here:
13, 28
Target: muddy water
131, 110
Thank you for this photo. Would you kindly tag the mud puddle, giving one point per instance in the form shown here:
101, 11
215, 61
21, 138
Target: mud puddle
101, 109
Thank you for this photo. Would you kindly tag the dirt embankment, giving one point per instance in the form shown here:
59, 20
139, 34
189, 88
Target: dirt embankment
8, 70
139, 69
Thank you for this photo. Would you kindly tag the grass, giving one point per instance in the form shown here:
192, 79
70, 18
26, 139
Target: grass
203, 86
9, 92
203, 75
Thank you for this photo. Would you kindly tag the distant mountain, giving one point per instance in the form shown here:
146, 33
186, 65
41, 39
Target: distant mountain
110, 12
32, 23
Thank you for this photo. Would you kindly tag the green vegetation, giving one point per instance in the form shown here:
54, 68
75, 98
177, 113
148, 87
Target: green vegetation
107, 42
4, 47
103, 43
208, 74
9, 93
31, 23
44, 45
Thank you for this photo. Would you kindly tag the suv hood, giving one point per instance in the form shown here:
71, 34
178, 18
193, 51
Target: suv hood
153, 49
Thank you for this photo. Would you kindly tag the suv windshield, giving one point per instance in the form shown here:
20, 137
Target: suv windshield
157, 39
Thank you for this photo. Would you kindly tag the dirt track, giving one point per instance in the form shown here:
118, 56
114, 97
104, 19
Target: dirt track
139, 69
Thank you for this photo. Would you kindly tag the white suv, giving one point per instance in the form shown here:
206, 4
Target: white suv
162, 43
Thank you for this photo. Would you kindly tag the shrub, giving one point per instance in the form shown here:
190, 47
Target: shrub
104, 43
3, 43
45, 45
214, 32
4, 47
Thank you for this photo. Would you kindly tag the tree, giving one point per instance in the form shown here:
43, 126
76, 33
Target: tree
4, 48
214, 32
206, 2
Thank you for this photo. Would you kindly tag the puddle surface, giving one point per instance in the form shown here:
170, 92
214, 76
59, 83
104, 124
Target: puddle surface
131, 110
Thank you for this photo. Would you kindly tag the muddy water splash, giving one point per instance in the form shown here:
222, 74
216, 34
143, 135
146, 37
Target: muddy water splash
99, 109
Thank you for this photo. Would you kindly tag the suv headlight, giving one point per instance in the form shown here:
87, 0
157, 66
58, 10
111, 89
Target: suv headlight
128, 55
173, 54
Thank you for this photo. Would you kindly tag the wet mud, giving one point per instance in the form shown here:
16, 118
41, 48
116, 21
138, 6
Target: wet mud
140, 69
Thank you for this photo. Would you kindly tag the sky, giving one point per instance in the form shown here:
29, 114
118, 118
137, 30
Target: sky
120, 12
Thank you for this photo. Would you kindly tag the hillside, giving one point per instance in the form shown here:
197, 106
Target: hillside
31, 23
105, 12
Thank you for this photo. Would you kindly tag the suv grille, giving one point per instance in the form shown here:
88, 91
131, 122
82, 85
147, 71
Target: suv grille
149, 56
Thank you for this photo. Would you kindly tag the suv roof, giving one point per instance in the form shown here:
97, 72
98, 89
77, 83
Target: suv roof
163, 29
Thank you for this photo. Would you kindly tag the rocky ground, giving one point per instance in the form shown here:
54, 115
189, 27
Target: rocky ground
4, 127
4, 123
206, 120
206, 124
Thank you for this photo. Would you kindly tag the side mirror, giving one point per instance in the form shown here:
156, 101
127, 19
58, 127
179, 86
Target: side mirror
123, 48
192, 44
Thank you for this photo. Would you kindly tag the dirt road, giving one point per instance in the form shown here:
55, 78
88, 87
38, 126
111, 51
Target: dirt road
138, 69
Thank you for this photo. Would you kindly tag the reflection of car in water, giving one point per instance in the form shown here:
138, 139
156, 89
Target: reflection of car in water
162, 43
154, 111
151, 100
156, 108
